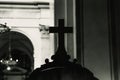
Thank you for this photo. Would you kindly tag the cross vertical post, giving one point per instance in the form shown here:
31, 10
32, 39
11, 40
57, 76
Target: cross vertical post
61, 30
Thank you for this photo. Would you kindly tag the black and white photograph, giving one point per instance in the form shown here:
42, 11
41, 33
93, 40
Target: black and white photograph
59, 40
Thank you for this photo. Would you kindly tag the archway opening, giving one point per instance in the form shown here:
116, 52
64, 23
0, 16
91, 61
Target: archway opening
21, 50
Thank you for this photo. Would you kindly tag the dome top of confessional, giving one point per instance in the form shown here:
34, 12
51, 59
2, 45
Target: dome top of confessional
62, 71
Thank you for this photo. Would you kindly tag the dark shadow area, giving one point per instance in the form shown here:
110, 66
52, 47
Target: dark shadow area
21, 51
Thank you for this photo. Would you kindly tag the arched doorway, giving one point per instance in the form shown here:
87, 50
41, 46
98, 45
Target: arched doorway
21, 49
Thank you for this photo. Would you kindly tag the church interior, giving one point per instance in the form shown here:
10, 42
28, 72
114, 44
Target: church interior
31, 45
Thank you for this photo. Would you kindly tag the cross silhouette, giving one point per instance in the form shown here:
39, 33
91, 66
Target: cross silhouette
61, 29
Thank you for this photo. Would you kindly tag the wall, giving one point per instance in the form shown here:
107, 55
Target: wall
96, 38
115, 29
93, 44
30, 19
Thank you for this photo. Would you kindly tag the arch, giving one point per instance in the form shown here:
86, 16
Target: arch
21, 45
22, 32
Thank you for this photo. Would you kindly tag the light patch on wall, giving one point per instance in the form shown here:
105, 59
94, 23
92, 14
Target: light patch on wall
28, 21
28, 0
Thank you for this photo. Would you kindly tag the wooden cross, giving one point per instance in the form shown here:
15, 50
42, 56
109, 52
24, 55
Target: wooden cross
61, 30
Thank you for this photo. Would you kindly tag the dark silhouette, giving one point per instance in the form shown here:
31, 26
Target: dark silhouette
61, 68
